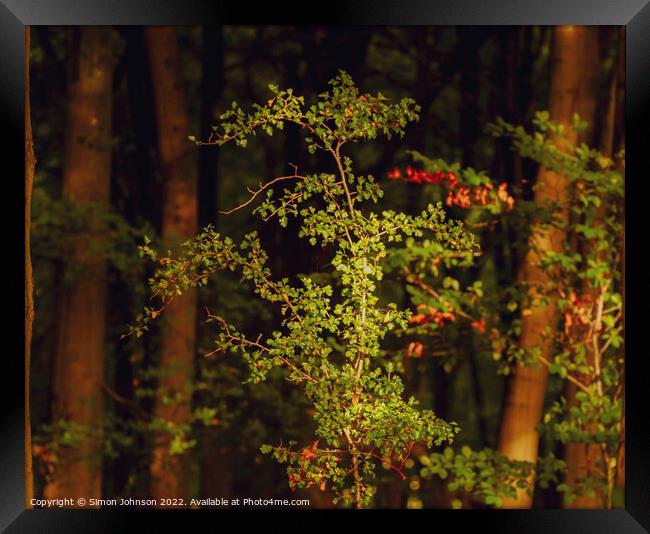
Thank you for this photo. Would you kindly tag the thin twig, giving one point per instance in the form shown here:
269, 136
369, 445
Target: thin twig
568, 376
262, 188
389, 464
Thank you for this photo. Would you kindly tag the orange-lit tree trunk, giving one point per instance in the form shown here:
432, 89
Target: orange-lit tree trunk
575, 454
79, 356
582, 459
30, 163
169, 473
519, 437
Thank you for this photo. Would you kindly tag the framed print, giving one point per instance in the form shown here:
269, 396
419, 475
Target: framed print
368, 258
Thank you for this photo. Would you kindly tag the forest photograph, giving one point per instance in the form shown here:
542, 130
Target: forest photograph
325, 267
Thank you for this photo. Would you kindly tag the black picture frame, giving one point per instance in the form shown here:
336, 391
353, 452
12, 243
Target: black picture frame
634, 14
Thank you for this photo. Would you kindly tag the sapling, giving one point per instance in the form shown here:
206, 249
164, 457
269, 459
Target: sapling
330, 337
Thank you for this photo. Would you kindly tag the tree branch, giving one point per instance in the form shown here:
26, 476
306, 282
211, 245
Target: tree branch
261, 189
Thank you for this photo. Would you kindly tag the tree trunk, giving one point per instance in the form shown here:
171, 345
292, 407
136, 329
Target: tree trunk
579, 455
79, 356
586, 459
169, 473
30, 163
519, 438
